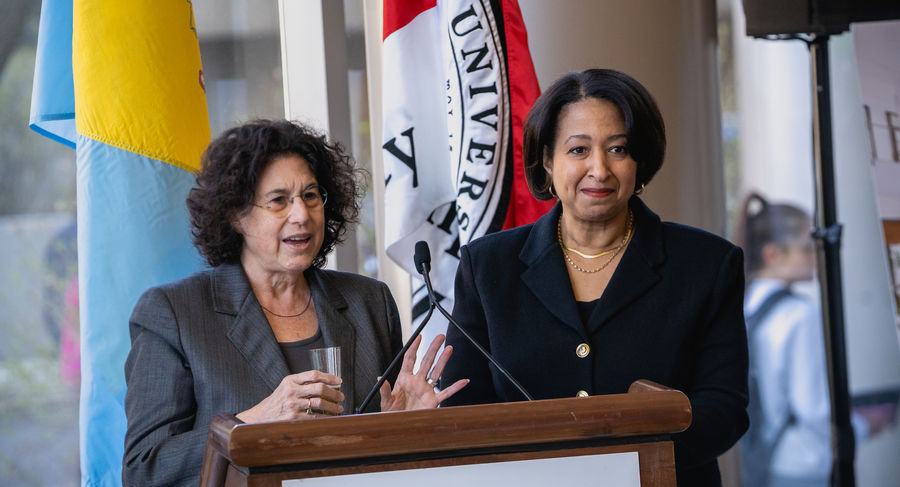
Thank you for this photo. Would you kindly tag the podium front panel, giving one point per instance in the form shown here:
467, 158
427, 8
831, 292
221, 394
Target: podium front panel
604, 470
654, 461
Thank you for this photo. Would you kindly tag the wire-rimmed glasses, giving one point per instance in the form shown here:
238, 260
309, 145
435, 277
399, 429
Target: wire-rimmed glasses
313, 197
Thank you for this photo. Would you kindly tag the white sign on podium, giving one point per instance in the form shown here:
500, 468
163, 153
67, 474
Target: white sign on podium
606, 470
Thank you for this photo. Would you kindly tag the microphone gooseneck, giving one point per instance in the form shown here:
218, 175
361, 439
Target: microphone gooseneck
395, 361
422, 261
422, 249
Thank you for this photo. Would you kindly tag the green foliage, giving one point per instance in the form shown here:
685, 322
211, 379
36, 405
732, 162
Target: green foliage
37, 175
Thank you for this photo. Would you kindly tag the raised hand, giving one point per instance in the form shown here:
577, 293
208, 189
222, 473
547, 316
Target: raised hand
416, 390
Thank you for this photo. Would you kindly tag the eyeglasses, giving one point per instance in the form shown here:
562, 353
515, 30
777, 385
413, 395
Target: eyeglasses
313, 197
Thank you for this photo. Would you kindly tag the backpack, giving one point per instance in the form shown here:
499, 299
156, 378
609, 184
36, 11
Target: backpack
756, 451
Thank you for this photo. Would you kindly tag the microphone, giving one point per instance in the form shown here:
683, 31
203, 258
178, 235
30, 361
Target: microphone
422, 259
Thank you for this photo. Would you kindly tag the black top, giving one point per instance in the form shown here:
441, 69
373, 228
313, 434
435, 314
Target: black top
586, 308
295, 352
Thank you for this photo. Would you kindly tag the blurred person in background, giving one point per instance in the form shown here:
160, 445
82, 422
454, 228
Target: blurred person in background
61, 301
789, 440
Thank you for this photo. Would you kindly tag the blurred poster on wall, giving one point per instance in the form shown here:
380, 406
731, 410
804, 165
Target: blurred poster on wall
877, 45
892, 237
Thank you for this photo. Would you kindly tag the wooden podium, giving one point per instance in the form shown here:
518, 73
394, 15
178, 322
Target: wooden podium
265, 454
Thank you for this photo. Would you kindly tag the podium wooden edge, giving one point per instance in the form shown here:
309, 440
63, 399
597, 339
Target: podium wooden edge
647, 409
644, 385
216, 456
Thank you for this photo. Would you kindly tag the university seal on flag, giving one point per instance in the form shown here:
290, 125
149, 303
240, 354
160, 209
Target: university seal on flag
448, 146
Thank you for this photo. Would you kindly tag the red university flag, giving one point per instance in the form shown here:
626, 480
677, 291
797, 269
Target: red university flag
457, 85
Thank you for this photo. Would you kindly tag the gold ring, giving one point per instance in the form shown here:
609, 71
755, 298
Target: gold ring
431, 382
309, 406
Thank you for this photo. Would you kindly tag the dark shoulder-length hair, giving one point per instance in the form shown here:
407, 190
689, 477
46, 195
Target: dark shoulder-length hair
644, 125
231, 167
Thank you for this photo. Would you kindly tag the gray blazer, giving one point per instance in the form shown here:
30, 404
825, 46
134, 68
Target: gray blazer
202, 346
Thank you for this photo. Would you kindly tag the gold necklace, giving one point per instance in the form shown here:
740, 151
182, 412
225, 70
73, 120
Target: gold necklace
629, 228
308, 301
594, 256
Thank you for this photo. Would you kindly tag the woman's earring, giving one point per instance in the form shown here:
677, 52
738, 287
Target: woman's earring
553, 193
640, 190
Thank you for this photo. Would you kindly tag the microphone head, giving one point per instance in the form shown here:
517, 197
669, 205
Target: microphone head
422, 257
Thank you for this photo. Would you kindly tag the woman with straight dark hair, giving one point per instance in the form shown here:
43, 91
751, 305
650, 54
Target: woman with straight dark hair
599, 293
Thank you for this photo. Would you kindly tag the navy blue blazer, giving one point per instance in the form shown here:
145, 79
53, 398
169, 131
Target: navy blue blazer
202, 346
672, 313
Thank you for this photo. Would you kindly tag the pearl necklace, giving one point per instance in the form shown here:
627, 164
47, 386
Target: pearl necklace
629, 228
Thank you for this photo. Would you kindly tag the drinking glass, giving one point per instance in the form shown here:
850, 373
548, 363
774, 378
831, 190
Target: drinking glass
326, 360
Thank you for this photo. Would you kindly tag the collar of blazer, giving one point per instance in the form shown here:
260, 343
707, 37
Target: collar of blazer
251, 334
546, 275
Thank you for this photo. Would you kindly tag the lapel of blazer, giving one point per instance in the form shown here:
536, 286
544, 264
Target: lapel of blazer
337, 331
546, 275
250, 332
636, 273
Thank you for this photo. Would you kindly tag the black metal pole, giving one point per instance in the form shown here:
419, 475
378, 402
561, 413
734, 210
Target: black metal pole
827, 235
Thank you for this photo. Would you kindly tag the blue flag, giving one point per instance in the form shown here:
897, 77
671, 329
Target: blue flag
129, 97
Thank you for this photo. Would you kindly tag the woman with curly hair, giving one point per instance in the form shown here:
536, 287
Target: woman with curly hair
272, 199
